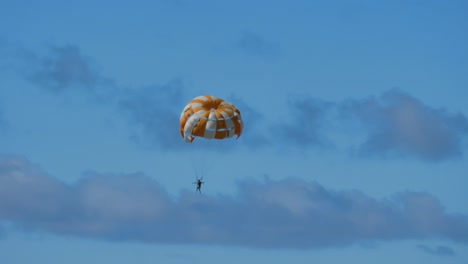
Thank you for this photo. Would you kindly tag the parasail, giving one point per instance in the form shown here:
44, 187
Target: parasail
210, 117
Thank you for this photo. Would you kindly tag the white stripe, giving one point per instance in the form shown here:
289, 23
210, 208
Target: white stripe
187, 107
229, 124
225, 115
210, 119
210, 128
192, 121
201, 97
188, 117
199, 114
188, 128
190, 106
183, 112
193, 105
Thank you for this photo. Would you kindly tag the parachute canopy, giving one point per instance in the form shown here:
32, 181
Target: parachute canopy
211, 118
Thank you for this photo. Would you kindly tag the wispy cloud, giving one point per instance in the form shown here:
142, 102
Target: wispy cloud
254, 44
155, 111
438, 251
65, 68
290, 213
254, 134
400, 125
306, 127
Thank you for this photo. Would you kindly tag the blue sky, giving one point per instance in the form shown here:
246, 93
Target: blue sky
354, 144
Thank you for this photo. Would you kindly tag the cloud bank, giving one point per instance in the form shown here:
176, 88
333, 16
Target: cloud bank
290, 213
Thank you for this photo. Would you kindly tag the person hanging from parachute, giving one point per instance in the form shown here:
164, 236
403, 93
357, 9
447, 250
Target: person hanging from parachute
210, 117
199, 182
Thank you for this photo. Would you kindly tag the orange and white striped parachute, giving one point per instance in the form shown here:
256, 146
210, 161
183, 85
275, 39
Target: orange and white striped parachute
211, 118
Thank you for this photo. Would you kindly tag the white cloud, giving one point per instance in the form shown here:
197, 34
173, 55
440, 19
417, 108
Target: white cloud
290, 213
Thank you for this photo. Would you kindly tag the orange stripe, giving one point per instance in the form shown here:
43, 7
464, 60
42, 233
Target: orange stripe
199, 129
